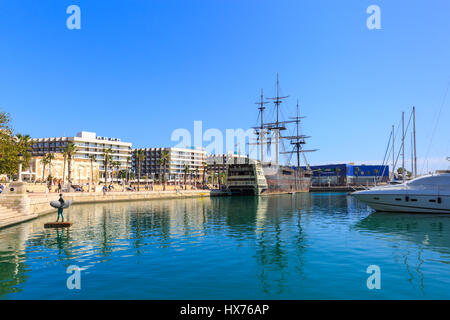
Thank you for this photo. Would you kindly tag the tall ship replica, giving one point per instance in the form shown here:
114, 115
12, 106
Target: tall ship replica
269, 176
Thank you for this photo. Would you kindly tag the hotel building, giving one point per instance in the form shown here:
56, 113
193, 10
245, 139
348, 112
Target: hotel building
152, 168
218, 162
82, 172
88, 143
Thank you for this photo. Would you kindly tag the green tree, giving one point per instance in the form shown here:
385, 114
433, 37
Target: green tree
92, 159
44, 162
14, 150
185, 171
197, 176
140, 156
221, 177
107, 158
69, 150
24, 146
9, 151
122, 174
205, 166
116, 165
50, 157
160, 176
165, 157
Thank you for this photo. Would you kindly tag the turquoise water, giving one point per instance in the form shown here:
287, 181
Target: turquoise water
306, 246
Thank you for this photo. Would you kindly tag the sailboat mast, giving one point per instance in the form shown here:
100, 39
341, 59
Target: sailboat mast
298, 144
414, 138
403, 146
393, 151
412, 154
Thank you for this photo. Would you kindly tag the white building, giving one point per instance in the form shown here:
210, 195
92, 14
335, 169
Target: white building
151, 166
88, 143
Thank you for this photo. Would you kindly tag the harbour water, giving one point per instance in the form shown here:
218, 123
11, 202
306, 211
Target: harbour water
303, 246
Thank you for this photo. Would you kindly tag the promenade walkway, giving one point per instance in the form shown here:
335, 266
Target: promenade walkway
34, 204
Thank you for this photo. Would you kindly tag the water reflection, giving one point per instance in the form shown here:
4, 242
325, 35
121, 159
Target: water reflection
430, 230
421, 231
265, 243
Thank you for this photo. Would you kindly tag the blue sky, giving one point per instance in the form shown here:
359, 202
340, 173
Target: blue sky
140, 69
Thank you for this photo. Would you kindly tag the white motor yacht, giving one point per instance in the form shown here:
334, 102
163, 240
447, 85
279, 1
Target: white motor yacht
425, 194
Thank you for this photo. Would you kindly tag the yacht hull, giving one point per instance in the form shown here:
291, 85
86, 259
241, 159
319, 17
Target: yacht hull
408, 203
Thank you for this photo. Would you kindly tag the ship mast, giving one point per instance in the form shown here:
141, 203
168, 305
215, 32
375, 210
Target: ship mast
277, 126
298, 140
261, 129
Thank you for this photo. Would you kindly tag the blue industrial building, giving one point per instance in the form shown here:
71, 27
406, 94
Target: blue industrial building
348, 174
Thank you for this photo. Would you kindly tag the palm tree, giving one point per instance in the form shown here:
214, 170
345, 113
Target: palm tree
165, 157
24, 146
319, 172
375, 171
204, 165
107, 157
92, 158
185, 171
222, 177
214, 173
64, 168
140, 156
219, 174
338, 170
211, 176
160, 161
44, 162
50, 157
69, 150
116, 165
196, 176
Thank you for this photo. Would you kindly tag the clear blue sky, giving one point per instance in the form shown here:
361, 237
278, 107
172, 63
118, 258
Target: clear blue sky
140, 69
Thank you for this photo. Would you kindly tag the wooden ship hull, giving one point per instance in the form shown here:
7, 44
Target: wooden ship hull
281, 179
